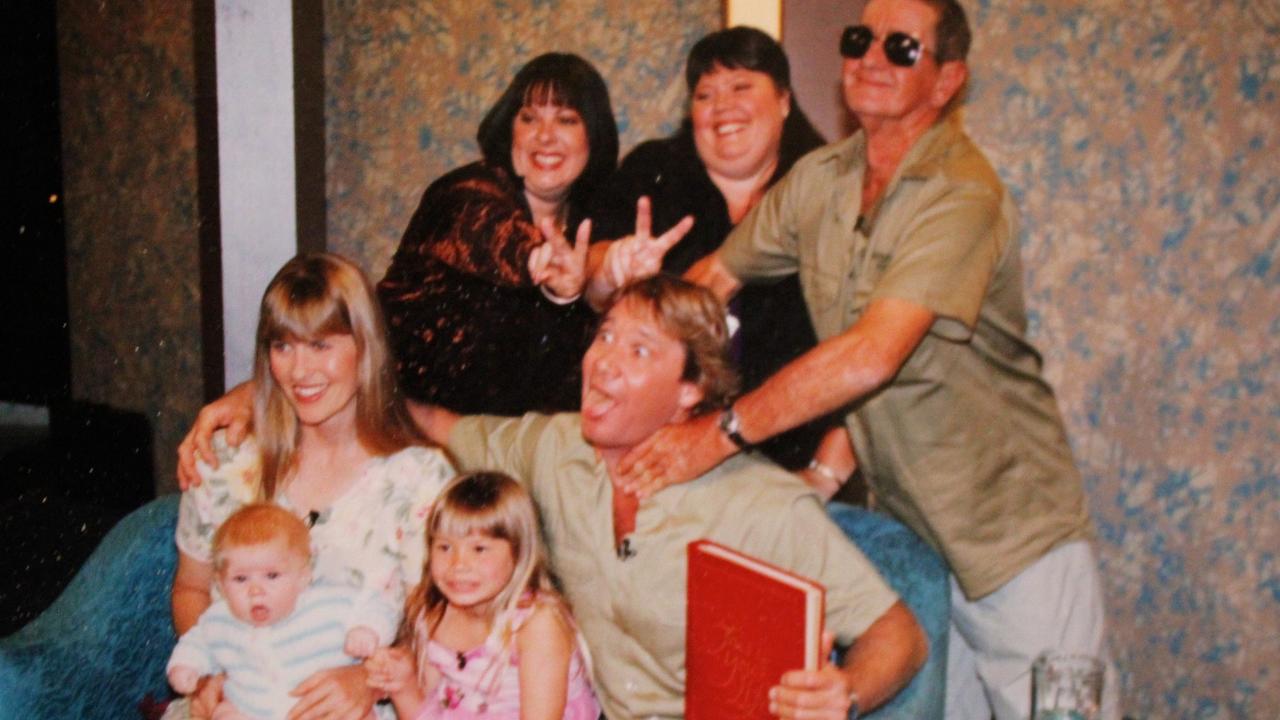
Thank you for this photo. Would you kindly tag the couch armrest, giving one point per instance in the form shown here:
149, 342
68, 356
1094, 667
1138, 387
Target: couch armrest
920, 578
103, 644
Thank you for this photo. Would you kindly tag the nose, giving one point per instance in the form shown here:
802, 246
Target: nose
875, 54
255, 589
602, 361
300, 363
455, 561
544, 129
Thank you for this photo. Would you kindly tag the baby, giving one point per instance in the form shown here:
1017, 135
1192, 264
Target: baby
271, 629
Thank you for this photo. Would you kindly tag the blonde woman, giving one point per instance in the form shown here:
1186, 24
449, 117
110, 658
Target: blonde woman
333, 444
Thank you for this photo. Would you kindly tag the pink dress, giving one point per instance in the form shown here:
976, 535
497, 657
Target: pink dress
484, 682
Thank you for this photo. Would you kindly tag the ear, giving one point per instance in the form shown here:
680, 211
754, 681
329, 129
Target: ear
951, 77
786, 103
689, 396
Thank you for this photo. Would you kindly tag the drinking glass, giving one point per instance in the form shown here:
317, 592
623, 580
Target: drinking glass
1066, 687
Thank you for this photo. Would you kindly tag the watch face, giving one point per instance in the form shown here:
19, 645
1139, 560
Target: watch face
729, 426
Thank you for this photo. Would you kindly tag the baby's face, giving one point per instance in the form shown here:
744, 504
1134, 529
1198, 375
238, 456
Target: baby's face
261, 583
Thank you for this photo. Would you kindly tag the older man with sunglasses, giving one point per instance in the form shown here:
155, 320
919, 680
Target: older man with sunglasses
906, 247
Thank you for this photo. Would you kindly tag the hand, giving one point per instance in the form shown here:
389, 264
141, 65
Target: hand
822, 694
391, 669
183, 679
361, 642
675, 454
559, 268
337, 694
637, 256
208, 695
233, 411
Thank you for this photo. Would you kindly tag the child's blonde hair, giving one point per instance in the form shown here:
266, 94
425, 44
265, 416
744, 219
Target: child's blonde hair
493, 505
259, 524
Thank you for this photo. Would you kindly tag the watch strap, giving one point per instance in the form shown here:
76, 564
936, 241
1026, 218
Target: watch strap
731, 426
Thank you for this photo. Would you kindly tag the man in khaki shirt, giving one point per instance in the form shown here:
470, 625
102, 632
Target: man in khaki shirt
905, 243
659, 357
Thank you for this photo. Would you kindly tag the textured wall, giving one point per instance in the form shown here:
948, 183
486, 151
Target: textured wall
1141, 140
128, 130
408, 82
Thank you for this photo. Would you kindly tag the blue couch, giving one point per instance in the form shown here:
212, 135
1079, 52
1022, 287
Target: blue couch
102, 646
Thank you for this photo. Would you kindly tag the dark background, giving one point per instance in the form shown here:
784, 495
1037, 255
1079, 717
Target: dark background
65, 481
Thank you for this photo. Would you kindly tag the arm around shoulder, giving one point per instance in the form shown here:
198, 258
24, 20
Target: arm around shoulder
435, 423
234, 412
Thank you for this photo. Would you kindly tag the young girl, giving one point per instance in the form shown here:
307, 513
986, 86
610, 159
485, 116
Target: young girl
484, 634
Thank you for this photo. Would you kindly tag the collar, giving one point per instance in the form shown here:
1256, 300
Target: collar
848, 160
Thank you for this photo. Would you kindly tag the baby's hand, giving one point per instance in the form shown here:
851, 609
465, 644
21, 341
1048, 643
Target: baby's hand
183, 679
361, 642
391, 669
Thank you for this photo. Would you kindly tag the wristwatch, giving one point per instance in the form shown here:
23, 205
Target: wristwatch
730, 425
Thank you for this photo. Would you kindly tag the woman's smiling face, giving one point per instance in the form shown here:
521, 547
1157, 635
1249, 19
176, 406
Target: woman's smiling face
318, 377
737, 119
549, 149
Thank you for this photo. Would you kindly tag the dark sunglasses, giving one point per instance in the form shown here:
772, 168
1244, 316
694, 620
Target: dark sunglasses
900, 48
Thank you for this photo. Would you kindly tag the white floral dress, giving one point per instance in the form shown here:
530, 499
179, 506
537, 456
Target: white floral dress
371, 537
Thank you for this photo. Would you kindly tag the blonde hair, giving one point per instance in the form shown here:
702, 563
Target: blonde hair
496, 506
260, 524
315, 295
696, 318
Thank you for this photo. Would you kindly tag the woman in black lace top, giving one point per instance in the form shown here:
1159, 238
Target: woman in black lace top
743, 133
469, 327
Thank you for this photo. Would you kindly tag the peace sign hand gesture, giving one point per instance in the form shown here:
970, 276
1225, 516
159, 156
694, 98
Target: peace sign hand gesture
636, 256
557, 266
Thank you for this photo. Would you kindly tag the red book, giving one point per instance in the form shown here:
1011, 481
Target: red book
748, 623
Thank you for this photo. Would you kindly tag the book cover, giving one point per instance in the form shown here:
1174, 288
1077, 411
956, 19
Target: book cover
748, 623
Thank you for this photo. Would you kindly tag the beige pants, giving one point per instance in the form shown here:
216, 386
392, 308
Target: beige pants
1055, 604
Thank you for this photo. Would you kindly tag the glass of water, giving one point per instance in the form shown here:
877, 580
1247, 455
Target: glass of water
1066, 687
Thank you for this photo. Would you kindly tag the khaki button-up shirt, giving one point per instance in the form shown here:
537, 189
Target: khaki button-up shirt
632, 611
965, 444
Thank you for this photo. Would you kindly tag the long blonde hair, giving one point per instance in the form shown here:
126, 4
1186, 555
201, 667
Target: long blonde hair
313, 295
496, 506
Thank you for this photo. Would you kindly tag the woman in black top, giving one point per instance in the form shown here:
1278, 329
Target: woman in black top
469, 327
743, 133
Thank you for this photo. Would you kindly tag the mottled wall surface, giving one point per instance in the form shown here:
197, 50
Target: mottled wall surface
1139, 138
408, 82
128, 135
1142, 143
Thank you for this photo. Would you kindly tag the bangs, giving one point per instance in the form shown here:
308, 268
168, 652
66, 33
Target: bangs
458, 522
302, 315
549, 91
